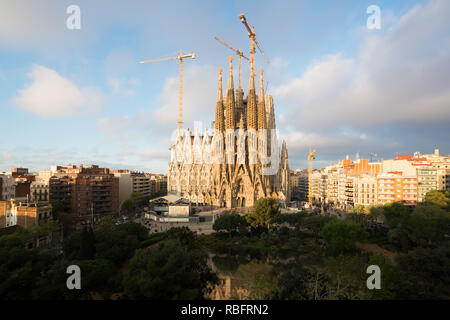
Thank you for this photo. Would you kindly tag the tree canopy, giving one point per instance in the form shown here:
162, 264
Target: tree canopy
265, 214
168, 271
342, 234
439, 198
230, 223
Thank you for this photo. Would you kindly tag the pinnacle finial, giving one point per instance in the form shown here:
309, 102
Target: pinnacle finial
241, 122
219, 90
252, 73
230, 75
261, 81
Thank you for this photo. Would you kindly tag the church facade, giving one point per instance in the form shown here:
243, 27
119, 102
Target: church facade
240, 160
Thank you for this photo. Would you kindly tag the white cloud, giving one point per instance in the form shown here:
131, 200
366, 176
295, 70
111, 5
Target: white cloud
199, 97
155, 154
50, 94
7, 155
322, 79
123, 86
401, 76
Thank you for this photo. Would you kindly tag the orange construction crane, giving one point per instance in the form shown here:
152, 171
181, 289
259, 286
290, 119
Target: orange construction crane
240, 54
252, 36
180, 98
311, 156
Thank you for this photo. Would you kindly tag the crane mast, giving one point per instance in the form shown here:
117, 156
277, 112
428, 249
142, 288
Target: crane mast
180, 58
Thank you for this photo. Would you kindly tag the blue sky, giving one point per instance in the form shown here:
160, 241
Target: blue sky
79, 96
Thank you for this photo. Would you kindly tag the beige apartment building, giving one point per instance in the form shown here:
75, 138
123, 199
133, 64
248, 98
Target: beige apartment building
144, 183
365, 190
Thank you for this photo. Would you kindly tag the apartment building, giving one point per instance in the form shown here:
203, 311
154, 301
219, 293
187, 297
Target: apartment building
427, 180
87, 192
365, 190
396, 187
303, 184
142, 184
332, 186
7, 187
24, 214
40, 188
295, 182
350, 191
316, 185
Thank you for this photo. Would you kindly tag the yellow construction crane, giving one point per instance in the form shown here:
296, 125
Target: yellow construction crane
311, 156
240, 54
180, 97
252, 36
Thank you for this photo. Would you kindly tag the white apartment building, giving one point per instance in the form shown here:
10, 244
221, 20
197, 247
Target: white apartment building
40, 188
130, 182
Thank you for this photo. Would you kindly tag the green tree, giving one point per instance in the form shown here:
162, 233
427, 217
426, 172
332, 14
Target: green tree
316, 223
57, 208
292, 283
390, 276
133, 228
358, 209
20, 268
428, 224
266, 212
341, 235
182, 234
115, 245
72, 246
347, 277
440, 198
45, 228
230, 223
96, 276
424, 274
128, 205
87, 246
106, 223
376, 213
168, 271
397, 215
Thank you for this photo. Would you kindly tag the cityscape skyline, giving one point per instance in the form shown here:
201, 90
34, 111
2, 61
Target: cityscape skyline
252, 150
107, 106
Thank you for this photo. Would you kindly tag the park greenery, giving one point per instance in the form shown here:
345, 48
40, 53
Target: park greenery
269, 255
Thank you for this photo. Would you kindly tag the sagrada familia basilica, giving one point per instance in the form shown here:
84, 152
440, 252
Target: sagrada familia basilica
240, 161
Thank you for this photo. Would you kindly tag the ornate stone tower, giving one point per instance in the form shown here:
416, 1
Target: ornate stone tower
231, 172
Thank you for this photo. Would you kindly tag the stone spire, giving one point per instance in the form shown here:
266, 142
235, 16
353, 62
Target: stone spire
252, 120
241, 122
262, 124
219, 123
270, 113
230, 114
